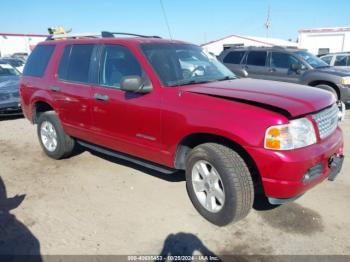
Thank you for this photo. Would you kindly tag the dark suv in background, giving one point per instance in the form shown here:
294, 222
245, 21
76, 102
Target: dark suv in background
287, 65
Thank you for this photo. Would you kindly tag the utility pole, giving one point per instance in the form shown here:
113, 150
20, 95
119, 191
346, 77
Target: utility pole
268, 22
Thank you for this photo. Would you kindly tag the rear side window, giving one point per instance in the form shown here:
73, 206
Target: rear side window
75, 63
257, 58
38, 60
234, 57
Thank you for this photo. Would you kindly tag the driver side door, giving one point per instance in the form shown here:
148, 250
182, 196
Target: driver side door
281, 69
124, 121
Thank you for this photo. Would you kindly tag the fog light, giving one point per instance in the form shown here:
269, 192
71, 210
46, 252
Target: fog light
313, 173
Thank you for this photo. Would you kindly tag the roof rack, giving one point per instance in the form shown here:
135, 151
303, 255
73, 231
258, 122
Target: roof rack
106, 34
103, 34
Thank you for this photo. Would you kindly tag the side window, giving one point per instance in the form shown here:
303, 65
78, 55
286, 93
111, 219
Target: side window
257, 58
75, 63
327, 59
38, 60
283, 60
348, 63
117, 62
234, 57
340, 60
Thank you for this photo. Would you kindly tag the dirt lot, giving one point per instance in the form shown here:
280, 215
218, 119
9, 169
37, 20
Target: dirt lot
91, 204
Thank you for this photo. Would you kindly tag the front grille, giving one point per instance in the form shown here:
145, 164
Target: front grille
327, 120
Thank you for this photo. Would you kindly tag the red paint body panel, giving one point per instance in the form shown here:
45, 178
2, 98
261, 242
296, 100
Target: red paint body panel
151, 126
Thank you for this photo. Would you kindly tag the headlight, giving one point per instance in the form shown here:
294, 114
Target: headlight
298, 133
345, 80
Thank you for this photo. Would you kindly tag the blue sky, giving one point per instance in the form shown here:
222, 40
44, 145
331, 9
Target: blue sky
196, 21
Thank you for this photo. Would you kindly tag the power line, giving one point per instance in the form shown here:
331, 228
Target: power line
166, 19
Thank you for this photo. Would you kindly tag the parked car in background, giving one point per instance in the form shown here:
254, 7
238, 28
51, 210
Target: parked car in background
134, 98
21, 55
9, 93
287, 65
339, 60
17, 63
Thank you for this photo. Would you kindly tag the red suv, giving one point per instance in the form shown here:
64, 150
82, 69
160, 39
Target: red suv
171, 105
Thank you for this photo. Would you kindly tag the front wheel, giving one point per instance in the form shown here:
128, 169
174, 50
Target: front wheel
53, 140
219, 183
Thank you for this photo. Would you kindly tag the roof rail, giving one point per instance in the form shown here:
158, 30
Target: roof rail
106, 34
73, 36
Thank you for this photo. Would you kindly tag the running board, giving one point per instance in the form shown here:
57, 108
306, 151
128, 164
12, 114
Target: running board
137, 161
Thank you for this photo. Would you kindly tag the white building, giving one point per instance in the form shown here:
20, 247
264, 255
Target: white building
325, 40
18, 43
217, 46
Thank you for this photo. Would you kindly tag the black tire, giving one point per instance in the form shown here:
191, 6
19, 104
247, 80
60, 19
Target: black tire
329, 89
65, 144
236, 181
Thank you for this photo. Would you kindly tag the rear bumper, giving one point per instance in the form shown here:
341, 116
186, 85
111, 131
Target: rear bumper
283, 172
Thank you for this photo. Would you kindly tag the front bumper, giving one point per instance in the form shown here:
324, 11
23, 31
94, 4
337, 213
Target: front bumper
344, 93
283, 172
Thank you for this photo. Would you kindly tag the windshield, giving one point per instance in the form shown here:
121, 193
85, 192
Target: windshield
7, 70
311, 59
181, 64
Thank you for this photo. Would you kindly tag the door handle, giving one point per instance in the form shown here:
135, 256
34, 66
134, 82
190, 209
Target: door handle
55, 88
272, 70
101, 97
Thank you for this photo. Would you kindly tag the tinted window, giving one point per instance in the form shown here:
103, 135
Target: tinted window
38, 60
282, 60
234, 57
75, 63
340, 60
118, 62
257, 58
327, 59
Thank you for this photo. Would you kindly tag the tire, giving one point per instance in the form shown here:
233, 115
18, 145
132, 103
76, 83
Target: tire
330, 89
236, 183
64, 143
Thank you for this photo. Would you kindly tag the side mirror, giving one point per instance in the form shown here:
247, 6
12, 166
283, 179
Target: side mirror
134, 84
296, 67
244, 73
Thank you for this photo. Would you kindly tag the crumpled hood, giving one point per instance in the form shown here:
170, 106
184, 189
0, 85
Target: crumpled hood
291, 99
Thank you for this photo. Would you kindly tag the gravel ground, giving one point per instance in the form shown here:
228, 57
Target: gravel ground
92, 204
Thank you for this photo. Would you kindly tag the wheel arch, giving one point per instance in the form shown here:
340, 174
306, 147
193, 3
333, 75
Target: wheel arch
40, 106
324, 82
192, 140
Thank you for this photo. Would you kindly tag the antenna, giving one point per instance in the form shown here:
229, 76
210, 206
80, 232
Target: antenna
268, 22
166, 19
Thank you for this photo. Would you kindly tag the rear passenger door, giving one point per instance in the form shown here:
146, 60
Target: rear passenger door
256, 64
125, 121
280, 68
73, 88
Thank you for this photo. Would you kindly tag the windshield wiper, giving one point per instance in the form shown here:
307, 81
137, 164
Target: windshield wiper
226, 78
193, 82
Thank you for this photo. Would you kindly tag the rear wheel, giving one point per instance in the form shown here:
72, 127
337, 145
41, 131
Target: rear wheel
219, 183
329, 89
53, 140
